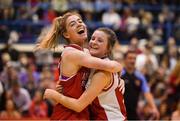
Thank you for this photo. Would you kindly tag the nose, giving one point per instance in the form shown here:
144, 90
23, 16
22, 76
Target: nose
79, 24
92, 42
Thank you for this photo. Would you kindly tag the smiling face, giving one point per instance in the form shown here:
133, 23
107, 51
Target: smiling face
98, 45
130, 60
76, 31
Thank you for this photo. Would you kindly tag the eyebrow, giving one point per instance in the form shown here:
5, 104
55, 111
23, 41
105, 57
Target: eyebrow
71, 23
74, 21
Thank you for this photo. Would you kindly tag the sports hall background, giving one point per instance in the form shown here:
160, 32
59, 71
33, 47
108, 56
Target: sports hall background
138, 24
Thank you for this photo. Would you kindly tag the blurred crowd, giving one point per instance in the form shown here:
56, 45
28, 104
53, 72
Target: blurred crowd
155, 20
24, 76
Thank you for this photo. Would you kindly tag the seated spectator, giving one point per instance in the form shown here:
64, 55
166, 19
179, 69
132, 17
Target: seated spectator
111, 18
10, 112
21, 98
38, 107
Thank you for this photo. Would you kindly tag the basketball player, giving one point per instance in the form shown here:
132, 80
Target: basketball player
73, 61
102, 93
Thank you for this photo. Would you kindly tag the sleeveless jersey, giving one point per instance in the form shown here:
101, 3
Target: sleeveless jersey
72, 87
109, 105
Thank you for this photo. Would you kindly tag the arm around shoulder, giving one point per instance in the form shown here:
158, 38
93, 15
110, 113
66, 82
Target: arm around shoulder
86, 60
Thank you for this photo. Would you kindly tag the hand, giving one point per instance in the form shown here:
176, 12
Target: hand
121, 86
155, 113
59, 88
50, 94
117, 67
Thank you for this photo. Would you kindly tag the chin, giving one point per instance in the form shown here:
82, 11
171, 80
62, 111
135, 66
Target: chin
93, 54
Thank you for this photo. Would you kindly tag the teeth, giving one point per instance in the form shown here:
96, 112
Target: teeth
80, 30
94, 47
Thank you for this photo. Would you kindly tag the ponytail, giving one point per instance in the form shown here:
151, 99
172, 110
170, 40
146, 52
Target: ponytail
50, 39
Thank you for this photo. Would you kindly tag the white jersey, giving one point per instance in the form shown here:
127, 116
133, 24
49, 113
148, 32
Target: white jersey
109, 105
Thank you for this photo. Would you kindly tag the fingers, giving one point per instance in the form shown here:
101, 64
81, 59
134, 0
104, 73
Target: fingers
123, 90
121, 86
59, 88
45, 94
156, 114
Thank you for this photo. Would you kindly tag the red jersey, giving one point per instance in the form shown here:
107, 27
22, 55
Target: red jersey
72, 87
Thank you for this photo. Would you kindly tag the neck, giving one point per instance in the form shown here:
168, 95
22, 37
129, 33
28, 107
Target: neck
78, 44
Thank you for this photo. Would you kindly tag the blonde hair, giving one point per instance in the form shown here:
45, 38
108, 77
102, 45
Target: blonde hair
50, 39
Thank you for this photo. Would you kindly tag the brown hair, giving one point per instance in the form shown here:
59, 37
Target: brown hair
129, 52
112, 38
51, 38
176, 69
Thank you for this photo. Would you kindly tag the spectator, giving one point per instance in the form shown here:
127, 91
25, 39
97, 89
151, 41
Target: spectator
21, 98
8, 75
170, 55
135, 84
87, 5
111, 18
59, 6
10, 112
14, 54
30, 79
38, 108
46, 78
134, 43
147, 61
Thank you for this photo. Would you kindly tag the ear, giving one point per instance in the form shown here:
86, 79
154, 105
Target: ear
65, 34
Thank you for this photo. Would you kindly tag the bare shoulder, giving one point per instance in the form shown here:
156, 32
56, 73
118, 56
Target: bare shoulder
70, 51
103, 73
73, 55
103, 77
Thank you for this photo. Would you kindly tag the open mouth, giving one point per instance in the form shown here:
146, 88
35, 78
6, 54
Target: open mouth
81, 31
93, 47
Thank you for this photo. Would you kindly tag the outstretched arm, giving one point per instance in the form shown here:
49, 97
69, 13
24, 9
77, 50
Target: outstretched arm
86, 98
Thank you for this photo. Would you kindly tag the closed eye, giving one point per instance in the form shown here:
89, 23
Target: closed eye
80, 21
100, 40
92, 38
72, 23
